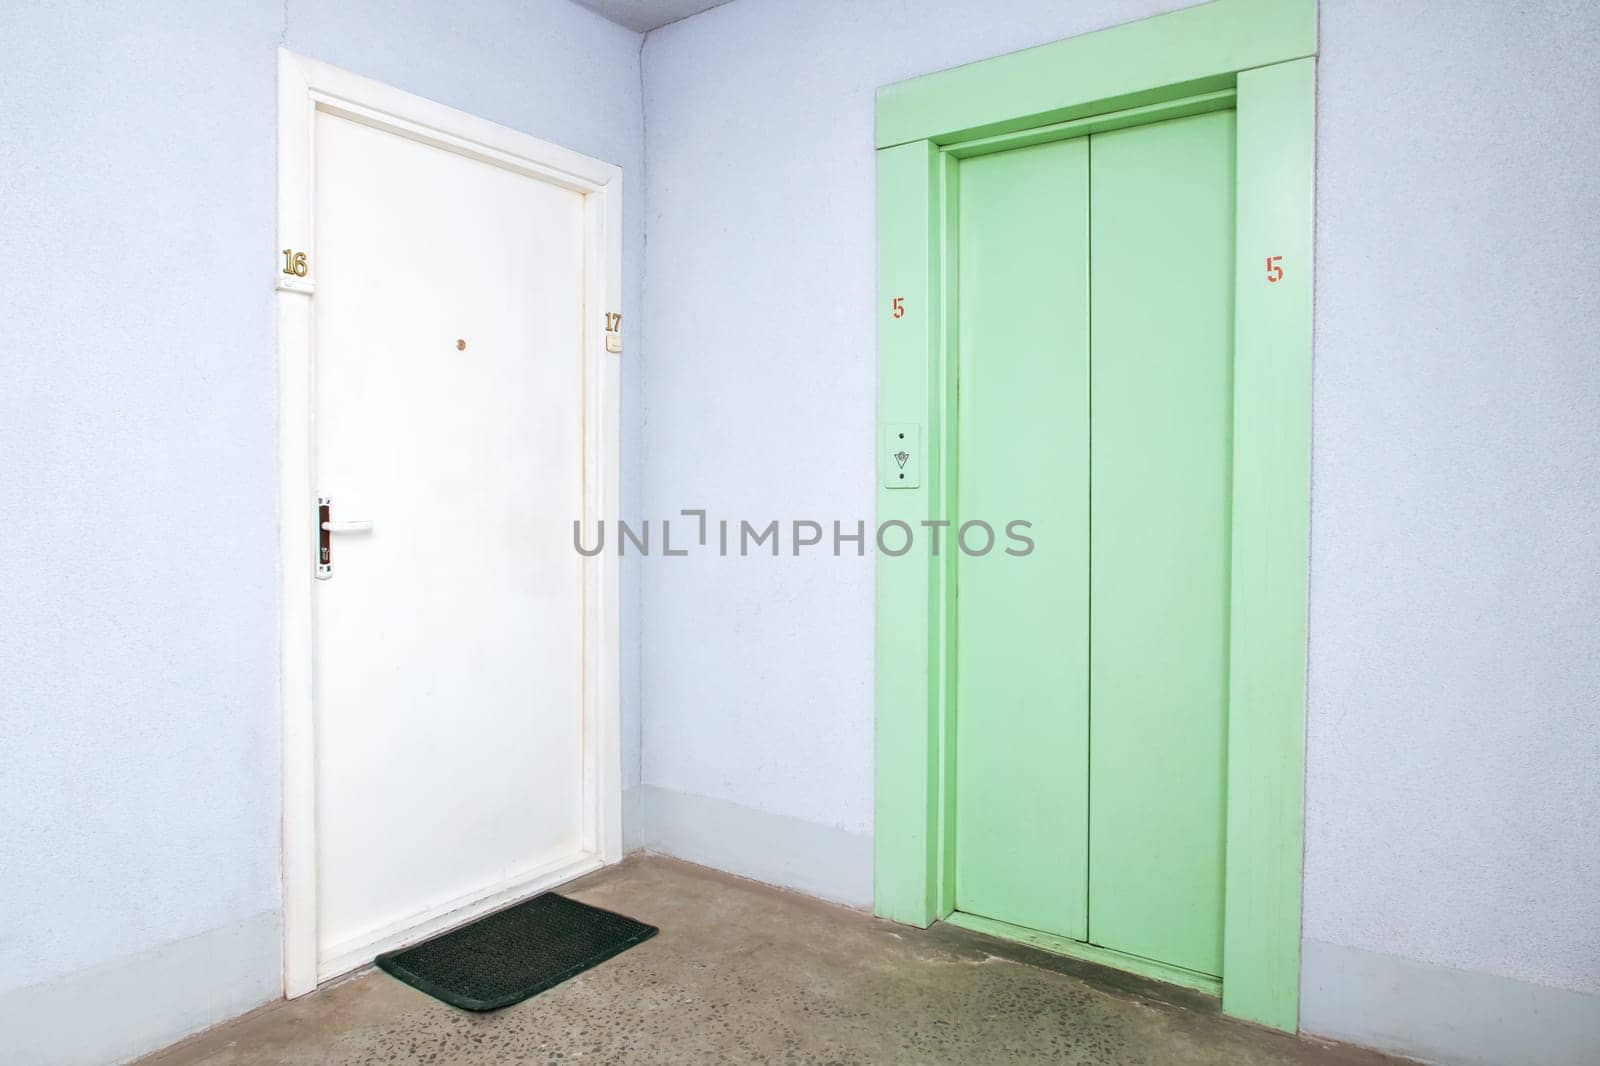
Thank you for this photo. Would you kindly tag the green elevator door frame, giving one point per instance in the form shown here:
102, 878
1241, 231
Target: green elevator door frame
1256, 57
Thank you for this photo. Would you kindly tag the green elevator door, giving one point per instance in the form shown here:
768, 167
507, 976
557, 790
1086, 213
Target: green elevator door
1022, 623
1094, 400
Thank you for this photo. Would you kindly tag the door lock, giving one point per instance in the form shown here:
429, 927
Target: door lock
326, 527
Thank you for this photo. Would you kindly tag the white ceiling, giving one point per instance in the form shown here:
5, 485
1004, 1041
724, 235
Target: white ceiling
642, 16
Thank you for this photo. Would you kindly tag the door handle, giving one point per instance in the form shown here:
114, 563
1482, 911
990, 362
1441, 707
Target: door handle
326, 527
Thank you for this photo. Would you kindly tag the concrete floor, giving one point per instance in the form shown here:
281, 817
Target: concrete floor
746, 973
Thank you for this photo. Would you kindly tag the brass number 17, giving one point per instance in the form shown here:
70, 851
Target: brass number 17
613, 322
294, 263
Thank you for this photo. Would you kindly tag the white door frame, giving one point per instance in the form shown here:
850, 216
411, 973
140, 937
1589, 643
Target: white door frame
306, 87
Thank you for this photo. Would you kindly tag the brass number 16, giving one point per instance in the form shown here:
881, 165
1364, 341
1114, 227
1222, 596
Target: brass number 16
294, 263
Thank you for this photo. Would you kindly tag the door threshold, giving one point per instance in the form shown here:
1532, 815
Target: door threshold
1077, 949
361, 950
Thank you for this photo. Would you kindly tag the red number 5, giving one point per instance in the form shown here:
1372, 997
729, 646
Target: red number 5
899, 307
1274, 271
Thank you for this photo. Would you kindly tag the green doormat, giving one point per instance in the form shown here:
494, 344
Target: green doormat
505, 957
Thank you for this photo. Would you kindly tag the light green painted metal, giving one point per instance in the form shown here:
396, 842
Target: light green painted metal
1022, 431
915, 670
941, 587
1075, 949
1195, 50
1221, 100
907, 843
1271, 543
1162, 268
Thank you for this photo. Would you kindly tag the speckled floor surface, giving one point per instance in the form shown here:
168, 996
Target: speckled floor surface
746, 973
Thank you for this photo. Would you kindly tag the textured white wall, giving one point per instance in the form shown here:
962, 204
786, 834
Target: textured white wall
1454, 708
1453, 799
138, 722
139, 728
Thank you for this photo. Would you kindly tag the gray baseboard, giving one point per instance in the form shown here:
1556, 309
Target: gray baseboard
138, 1004
816, 859
1441, 1015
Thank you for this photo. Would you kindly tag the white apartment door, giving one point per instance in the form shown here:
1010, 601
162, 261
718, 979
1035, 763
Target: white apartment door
448, 348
